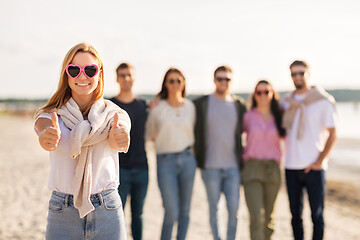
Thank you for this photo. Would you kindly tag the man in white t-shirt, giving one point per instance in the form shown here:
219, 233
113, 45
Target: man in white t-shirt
310, 120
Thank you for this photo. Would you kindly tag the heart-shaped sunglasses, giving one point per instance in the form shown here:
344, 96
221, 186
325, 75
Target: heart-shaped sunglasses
89, 71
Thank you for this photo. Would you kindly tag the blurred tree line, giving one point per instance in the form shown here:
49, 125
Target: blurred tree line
23, 104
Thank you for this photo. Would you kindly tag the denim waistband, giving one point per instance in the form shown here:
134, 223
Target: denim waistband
68, 199
176, 153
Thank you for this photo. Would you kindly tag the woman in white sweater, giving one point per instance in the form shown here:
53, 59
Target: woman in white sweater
171, 124
83, 134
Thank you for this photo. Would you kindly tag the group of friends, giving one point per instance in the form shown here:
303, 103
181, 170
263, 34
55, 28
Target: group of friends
92, 150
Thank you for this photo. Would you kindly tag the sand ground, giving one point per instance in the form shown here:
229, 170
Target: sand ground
24, 196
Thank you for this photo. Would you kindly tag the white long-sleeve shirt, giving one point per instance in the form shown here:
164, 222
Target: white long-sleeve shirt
171, 127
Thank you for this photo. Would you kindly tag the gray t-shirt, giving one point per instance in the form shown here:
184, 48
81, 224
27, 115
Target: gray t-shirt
220, 130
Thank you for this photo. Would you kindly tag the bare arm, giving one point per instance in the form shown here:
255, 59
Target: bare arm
327, 148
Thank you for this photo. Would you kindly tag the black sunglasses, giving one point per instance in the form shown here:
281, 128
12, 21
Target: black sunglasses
259, 92
124, 75
173, 81
293, 74
220, 79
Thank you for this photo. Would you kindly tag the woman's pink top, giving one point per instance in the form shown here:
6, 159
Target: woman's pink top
262, 140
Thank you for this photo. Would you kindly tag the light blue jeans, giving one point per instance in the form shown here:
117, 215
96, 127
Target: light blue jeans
227, 181
176, 173
105, 222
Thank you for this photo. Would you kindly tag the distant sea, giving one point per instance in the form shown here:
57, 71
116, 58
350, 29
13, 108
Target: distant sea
346, 152
349, 120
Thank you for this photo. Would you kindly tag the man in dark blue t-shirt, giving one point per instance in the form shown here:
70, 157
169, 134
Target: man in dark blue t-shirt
134, 174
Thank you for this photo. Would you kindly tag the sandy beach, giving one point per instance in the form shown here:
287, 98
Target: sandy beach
24, 169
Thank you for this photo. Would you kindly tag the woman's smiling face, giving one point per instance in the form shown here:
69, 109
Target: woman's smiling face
82, 86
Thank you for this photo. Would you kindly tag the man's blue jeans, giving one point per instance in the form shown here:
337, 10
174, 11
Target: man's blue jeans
314, 183
134, 181
227, 181
176, 173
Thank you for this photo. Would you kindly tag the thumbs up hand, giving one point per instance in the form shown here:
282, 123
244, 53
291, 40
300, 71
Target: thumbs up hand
119, 138
50, 134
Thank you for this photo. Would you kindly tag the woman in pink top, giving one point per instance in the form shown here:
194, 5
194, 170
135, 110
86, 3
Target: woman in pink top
262, 154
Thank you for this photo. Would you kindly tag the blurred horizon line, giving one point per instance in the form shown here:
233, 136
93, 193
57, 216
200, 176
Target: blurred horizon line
340, 95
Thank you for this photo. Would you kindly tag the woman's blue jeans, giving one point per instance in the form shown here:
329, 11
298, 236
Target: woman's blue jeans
176, 173
105, 222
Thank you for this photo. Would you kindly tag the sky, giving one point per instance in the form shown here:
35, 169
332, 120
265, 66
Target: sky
258, 39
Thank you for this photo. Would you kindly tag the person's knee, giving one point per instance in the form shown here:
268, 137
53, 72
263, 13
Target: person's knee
136, 213
255, 219
317, 218
171, 215
184, 212
295, 210
213, 212
268, 218
296, 215
233, 206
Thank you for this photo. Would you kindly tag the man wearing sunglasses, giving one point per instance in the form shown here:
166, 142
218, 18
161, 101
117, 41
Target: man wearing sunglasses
218, 147
133, 165
310, 121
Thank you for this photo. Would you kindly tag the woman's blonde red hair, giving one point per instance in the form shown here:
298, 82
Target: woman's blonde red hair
63, 92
